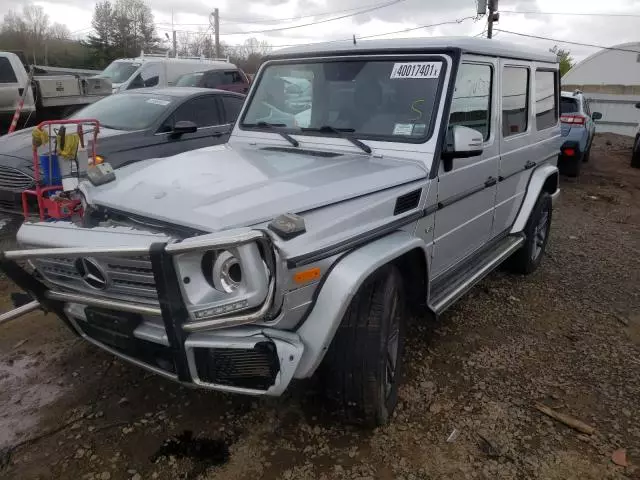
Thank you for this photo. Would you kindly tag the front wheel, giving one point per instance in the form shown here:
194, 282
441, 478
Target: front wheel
536, 231
362, 368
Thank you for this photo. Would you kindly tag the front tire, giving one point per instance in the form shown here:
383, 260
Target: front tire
537, 230
363, 366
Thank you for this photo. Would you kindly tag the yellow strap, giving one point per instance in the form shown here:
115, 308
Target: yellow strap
39, 137
71, 143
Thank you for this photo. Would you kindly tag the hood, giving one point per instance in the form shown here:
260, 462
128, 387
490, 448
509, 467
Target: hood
221, 187
16, 147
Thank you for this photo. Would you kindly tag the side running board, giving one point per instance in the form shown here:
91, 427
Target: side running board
446, 291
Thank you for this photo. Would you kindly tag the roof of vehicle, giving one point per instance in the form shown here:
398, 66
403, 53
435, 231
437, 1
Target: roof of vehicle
178, 91
480, 46
210, 63
566, 94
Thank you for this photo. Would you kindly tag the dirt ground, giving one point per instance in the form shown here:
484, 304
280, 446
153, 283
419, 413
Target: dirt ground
567, 336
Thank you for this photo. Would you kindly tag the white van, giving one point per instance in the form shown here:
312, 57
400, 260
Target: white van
149, 70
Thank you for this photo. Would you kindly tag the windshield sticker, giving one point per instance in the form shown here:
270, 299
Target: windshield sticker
416, 70
403, 129
157, 101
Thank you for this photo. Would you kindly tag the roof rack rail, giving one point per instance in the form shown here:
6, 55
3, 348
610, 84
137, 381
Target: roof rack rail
156, 55
186, 57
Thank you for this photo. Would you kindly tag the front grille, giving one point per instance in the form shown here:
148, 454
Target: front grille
254, 368
14, 180
127, 278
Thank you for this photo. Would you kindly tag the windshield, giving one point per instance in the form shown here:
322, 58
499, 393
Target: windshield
568, 105
371, 99
126, 111
119, 72
190, 80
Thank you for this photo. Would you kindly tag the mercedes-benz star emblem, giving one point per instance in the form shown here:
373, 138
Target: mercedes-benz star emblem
92, 273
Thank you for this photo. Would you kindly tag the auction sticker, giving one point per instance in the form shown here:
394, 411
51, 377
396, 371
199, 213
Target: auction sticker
157, 101
416, 70
403, 129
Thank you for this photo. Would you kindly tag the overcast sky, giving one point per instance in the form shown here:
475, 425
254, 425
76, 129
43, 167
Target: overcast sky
193, 15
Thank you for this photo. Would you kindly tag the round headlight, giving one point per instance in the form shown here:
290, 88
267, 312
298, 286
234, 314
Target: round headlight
227, 272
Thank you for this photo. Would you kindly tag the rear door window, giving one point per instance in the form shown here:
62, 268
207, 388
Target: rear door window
203, 111
515, 100
212, 79
232, 106
568, 105
7, 75
232, 76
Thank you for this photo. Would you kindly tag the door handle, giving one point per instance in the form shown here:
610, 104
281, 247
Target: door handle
491, 181
529, 165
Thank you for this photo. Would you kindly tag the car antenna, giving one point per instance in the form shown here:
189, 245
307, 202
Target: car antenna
354, 38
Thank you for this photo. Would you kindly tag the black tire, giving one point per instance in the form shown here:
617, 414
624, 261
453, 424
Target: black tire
527, 259
635, 154
358, 370
571, 166
587, 154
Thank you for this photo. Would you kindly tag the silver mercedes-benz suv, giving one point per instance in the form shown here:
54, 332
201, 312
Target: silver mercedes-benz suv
419, 166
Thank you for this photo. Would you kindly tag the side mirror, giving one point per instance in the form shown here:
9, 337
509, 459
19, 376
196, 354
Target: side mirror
638, 105
596, 115
462, 142
182, 127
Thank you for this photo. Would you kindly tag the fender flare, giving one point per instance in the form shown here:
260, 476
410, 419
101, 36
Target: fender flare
536, 184
340, 287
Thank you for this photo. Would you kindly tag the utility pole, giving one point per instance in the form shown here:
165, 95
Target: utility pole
494, 16
216, 28
175, 40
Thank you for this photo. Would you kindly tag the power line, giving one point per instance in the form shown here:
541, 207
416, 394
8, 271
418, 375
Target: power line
449, 22
632, 15
367, 10
569, 42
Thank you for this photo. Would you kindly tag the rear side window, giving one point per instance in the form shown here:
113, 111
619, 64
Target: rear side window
515, 100
232, 107
7, 75
233, 77
212, 79
471, 103
546, 100
203, 111
568, 105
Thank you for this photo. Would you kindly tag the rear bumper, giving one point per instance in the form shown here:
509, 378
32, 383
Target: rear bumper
569, 145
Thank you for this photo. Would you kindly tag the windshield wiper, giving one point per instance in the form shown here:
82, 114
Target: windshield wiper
342, 133
274, 126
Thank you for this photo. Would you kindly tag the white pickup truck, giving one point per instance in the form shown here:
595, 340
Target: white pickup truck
49, 96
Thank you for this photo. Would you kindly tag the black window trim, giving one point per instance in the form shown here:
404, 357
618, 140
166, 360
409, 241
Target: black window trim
557, 95
485, 141
447, 57
527, 104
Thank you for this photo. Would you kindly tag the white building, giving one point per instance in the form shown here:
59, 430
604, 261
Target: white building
610, 79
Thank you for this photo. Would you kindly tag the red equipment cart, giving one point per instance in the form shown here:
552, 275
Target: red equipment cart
53, 202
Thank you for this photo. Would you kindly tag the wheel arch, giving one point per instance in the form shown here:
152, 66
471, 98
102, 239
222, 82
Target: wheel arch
545, 178
343, 282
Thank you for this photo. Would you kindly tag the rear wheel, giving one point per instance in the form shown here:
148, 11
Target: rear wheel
571, 166
363, 366
537, 230
587, 155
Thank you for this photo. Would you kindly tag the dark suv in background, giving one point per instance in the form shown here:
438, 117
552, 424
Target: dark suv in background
232, 80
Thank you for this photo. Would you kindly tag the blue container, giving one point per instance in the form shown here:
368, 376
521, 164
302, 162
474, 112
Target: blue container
50, 177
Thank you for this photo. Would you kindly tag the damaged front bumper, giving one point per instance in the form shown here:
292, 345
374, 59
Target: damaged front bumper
231, 353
